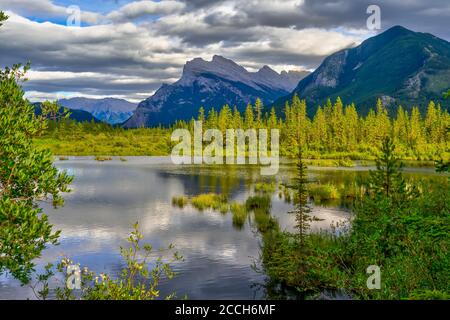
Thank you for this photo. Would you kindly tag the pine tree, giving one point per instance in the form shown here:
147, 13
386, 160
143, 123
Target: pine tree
416, 135
249, 118
225, 118
302, 210
258, 112
319, 135
211, 122
401, 126
382, 122
237, 120
272, 122
201, 115
337, 125
387, 180
431, 123
351, 125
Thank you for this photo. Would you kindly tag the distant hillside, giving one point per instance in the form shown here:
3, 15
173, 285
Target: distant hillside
110, 110
399, 66
212, 84
77, 115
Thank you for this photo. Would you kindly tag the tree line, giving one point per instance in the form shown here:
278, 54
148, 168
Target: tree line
336, 128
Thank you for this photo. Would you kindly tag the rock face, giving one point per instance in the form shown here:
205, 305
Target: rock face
110, 110
211, 84
399, 66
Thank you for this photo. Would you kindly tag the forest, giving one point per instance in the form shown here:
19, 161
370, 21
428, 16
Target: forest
336, 135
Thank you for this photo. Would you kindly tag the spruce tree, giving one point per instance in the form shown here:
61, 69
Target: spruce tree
387, 180
302, 210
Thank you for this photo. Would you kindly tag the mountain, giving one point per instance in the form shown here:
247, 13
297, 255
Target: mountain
77, 115
212, 84
399, 66
110, 110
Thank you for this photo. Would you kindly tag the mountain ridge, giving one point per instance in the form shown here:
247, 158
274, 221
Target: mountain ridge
211, 84
110, 110
400, 66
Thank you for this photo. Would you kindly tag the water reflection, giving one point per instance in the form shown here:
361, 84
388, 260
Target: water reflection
108, 197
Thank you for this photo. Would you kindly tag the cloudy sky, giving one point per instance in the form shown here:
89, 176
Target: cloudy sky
127, 49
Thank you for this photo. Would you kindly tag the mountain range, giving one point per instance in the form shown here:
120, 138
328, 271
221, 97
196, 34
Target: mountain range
110, 110
211, 84
75, 114
399, 66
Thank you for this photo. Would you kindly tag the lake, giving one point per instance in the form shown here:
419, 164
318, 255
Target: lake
108, 197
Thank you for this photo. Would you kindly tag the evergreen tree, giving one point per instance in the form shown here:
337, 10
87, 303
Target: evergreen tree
387, 180
249, 118
319, 136
351, 125
301, 210
337, 125
201, 116
237, 121
382, 123
258, 112
272, 122
432, 123
416, 135
401, 126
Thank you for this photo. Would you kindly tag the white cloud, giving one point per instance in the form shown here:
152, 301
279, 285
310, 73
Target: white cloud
139, 9
121, 53
46, 9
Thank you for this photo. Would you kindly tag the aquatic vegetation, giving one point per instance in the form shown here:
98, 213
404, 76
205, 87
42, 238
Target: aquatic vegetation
103, 158
394, 227
265, 187
320, 192
258, 203
209, 201
224, 208
180, 202
239, 212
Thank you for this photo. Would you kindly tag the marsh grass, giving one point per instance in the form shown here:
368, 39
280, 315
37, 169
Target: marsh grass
321, 192
210, 201
239, 212
265, 187
180, 202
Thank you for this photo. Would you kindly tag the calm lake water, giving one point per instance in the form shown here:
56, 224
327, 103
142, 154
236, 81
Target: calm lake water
108, 197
